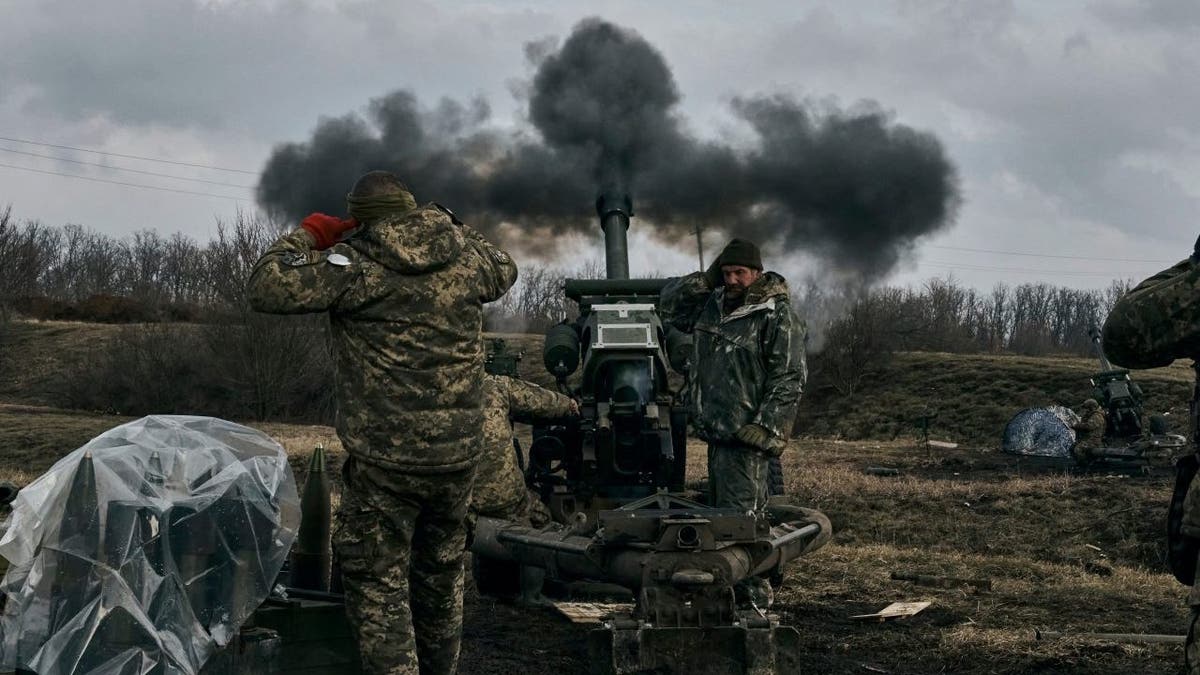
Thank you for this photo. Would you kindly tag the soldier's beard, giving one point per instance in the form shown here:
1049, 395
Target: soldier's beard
734, 291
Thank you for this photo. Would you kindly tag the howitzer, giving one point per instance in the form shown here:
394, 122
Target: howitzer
1119, 396
613, 480
630, 439
1126, 442
500, 360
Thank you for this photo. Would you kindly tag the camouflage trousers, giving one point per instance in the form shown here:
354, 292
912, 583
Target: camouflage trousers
1082, 450
401, 538
775, 486
737, 476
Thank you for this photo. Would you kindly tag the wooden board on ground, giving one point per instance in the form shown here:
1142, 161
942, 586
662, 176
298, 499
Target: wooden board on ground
896, 610
944, 445
590, 612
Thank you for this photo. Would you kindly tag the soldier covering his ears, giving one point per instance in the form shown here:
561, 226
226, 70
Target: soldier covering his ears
405, 294
748, 368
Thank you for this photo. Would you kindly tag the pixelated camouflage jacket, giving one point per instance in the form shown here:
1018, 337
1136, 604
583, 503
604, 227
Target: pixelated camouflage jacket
1089, 430
498, 480
1153, 324
405, 317
748, 366
1158, 321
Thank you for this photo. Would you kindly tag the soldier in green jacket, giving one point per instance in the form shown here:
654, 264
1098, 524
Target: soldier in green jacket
748, 368
1149, 327
404, 292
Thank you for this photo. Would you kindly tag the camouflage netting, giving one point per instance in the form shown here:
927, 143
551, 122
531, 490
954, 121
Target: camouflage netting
146, 549
1041, 432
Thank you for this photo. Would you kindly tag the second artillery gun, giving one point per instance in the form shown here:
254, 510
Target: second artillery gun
614, 482
1127, 442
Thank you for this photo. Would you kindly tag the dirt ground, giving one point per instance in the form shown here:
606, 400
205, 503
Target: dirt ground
1064, 552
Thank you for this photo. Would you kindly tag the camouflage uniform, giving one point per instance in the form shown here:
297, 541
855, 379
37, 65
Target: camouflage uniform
405, 300
500, 490
1151, 326
748, 368
1089, 430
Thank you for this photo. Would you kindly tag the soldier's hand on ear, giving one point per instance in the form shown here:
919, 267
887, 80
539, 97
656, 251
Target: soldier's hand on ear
325, 229
574, 408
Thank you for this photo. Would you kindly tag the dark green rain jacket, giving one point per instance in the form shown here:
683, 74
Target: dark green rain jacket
747, 366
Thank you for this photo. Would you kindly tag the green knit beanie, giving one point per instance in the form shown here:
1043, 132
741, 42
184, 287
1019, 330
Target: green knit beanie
742, 252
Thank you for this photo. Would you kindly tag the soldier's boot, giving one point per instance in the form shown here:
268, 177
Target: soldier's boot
754, 593
775, 577
532, 580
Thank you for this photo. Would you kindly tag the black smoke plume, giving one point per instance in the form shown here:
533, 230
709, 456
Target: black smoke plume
850, 187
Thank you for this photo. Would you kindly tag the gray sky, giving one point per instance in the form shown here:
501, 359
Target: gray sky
1075, 125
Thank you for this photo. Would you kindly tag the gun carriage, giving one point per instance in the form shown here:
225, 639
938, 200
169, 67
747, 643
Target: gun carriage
613, 480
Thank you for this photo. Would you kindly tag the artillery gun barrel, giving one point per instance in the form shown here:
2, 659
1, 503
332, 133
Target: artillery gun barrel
1098, 345
614, 212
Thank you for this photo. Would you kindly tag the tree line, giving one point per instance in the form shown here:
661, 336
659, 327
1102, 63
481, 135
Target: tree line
193, 344
190, 342
854, 331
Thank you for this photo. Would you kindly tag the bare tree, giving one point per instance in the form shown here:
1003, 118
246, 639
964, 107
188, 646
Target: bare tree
857, 344
29, 253
276, 365
73, 272
238, 364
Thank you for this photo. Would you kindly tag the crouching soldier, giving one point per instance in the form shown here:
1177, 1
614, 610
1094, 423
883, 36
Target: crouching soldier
500, 490
1089, 430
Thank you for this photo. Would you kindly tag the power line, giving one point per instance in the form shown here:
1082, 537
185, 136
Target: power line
1047, 255
117, 182
120, 168
988, 268
117, 154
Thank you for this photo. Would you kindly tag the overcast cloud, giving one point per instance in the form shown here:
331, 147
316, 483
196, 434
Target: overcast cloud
1074, 126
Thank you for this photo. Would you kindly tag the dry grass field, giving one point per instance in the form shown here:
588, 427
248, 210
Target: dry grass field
1064, 552
1067, 553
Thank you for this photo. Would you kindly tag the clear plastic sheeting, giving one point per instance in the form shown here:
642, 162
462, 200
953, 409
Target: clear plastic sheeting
145, 550
1041, 432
